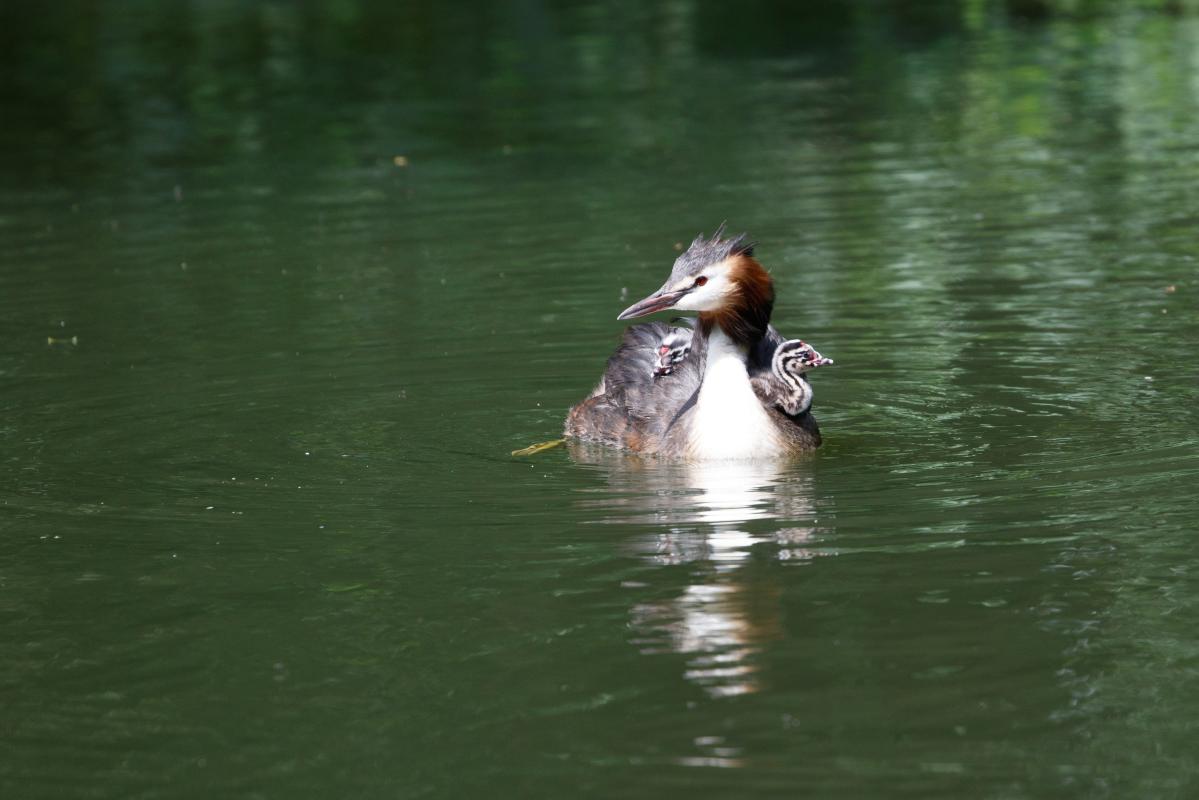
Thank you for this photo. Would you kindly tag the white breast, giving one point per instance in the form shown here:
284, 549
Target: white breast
729, 420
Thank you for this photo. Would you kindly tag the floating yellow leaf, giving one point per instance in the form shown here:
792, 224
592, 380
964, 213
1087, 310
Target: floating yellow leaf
537, 448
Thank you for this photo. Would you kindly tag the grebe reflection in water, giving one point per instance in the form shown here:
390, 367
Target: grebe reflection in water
709, 516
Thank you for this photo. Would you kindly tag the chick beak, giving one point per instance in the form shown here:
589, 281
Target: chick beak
658, 301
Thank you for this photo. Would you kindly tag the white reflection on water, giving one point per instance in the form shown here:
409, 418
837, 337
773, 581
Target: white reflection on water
711, 516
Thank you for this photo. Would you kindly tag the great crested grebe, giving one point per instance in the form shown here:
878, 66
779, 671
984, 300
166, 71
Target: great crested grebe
705, 406
786, 386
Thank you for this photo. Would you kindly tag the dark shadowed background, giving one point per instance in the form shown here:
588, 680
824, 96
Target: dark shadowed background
283, 284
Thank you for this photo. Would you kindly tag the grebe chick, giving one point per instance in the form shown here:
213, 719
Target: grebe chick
705, 406
785, 386
674, 347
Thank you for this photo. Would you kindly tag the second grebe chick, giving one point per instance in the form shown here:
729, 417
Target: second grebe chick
674, 347
785, 386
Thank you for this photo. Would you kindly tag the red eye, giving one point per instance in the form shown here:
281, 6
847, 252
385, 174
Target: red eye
701, 280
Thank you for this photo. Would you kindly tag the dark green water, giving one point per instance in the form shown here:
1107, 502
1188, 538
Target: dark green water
260, 534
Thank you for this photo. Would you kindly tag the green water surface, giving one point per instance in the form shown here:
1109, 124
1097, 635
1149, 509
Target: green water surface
282, 285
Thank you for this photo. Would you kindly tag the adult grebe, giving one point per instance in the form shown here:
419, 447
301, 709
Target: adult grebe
705, 407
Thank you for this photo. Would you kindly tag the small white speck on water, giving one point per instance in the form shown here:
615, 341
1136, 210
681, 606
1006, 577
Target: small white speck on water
307, 453
174, 555
624, 293
1148, 377
209, 508
322, 527
183, 266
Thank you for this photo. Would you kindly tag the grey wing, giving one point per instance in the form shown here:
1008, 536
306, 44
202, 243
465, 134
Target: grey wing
652, 401
632, 407
607, 414
635, 359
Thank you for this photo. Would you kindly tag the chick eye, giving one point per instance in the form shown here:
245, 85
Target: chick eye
701, 280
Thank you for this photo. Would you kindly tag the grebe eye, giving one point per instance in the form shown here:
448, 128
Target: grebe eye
701, 280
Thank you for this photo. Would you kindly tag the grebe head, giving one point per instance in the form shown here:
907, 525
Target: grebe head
795, 357
712, 276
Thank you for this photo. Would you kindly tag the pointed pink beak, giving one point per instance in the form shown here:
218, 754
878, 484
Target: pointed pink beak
658, 301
